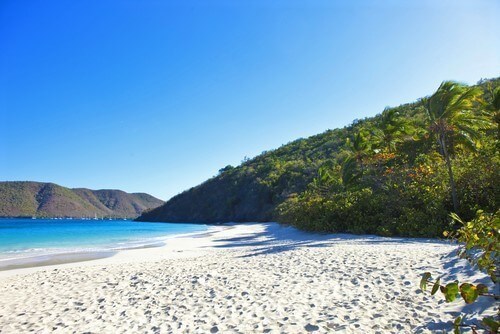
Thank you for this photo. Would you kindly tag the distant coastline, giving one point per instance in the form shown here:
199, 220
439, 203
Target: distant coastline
29, 199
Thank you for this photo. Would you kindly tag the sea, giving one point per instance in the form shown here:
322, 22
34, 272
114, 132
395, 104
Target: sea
32, 242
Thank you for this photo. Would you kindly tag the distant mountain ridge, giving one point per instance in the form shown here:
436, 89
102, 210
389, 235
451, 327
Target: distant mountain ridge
39, 199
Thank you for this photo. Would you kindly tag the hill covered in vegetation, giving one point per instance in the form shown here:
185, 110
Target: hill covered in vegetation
399, 173
36, 199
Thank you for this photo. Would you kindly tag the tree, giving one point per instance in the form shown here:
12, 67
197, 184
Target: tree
350, 172
359, 148
390, 129
493, 109
327, 178
454, 120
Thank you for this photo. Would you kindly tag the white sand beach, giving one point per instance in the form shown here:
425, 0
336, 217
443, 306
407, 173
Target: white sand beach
252, 278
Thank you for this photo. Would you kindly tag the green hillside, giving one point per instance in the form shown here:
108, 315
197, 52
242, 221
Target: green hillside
386, 175
28, 199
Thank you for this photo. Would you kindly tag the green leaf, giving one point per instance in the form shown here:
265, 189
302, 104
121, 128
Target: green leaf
424, 280
493, 277
492, 324
451, 291
468, 292
436, 286
456, 325
482, 289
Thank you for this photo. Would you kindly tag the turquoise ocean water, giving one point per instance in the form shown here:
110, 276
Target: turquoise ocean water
24, 238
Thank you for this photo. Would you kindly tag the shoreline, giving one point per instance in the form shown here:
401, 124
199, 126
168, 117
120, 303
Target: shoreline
170, 247
52, 260
164, 248
54, 256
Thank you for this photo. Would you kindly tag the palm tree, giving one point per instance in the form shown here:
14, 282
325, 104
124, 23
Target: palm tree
494, 109
325, 179
349, 172
453, 120
359, 148
390, 129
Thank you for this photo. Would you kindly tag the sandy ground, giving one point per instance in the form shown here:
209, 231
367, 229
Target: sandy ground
255, 278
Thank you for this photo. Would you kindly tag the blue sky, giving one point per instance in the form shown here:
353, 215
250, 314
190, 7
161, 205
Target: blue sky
156, 96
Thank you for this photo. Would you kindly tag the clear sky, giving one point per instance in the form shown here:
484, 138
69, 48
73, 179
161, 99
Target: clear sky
157, 96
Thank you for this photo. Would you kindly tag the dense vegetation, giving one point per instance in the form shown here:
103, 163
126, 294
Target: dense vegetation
399, 173
28, 199
480, 239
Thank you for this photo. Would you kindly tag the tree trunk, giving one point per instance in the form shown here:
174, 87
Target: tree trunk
450, 174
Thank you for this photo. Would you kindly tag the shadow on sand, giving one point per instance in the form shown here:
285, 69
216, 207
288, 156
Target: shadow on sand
277, 238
